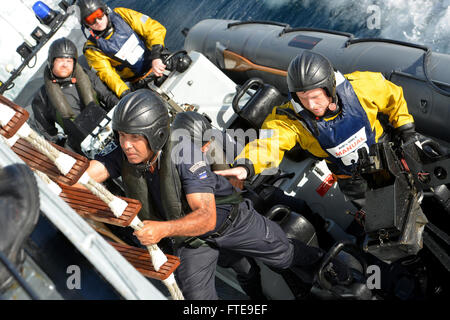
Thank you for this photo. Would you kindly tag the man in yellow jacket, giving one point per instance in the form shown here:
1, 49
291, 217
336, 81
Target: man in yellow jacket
331, 116
123, 44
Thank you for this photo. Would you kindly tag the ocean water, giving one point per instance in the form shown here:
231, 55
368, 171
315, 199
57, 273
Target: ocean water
425, 22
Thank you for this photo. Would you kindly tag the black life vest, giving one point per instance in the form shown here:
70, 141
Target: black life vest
173, 198
57, 98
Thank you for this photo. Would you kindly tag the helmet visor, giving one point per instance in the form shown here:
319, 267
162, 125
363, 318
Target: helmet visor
97, 14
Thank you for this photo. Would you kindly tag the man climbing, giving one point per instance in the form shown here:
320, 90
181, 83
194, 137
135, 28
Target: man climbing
184, 200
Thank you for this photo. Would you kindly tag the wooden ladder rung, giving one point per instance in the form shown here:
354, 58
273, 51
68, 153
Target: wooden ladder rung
90, 206
16, 122
140, 259
34, 158
39, 161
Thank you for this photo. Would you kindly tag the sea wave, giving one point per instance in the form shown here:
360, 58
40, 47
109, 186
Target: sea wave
425, 22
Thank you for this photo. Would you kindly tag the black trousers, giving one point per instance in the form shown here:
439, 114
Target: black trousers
251, 235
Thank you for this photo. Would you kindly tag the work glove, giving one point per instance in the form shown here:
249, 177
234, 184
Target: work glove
406, 133
125, 93
156, 51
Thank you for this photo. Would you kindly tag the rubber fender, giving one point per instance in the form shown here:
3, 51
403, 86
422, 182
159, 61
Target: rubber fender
293, 224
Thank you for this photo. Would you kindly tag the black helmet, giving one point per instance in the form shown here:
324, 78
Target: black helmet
62, 48
310, 70
87, 7
194, 123
143, 112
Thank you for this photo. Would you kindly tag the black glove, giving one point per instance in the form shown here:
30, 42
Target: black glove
156, 51
406, 133
125, 93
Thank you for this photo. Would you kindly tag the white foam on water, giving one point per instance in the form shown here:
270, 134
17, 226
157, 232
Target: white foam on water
425, 22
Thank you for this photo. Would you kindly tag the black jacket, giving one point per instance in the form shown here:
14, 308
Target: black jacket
45, 113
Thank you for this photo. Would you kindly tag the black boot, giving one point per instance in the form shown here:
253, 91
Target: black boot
250, 281
247, 272
19, 203
306, 260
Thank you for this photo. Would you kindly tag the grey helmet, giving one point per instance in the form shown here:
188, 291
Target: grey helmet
194, 123
62, 48
310, 70
143, 112
201, 131
87, 7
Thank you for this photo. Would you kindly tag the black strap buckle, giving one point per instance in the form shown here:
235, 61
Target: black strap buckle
228, 221
194, 243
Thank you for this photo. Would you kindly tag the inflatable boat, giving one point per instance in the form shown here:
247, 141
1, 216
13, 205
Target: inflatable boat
235, 75
256, 55
246, 49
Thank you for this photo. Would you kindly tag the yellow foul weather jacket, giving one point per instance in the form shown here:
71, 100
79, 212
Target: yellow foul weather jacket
375, 95
125, 53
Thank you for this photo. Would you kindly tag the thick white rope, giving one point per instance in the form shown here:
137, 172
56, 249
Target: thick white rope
158, 259
52, 185
157, 256
62, 161
174, 290
116, 204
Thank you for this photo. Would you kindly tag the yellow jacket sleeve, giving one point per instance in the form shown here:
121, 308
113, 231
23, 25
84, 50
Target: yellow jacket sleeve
105, 70
376, 94
282, 135
151, 30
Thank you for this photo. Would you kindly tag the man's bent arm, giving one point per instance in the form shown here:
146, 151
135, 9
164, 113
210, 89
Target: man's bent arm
201, 220
97, 171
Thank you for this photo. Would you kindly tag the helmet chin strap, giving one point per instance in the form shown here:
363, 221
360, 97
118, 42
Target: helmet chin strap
330, 113
149, 165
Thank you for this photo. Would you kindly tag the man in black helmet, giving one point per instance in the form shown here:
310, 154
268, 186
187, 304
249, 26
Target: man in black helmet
330, 115
69, 90
123, 44
200, 130
185, 201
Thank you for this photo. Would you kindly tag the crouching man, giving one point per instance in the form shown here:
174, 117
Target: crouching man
185, 201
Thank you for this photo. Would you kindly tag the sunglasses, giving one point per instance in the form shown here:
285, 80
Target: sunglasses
97, 14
